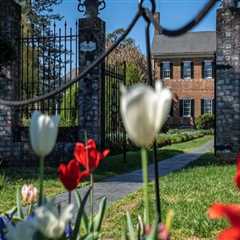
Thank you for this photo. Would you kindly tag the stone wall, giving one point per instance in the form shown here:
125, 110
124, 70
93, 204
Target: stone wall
92, 44
10, 19
228, 82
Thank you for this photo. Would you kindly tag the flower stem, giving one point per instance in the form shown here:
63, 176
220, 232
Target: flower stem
157, 184
41, 178
91, 199
69, 202
145, 184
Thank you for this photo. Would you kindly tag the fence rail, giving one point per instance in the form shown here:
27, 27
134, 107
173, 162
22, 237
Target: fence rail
49, 60
114, 132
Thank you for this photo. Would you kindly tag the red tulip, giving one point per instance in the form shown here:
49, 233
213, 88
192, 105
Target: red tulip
88, 156
70, 174
237, 177
232, 213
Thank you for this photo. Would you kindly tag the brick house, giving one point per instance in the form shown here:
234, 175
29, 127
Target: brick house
186, 65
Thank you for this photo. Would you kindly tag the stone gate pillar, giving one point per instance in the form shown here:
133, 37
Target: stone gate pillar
91, 45
10, 21
228, 80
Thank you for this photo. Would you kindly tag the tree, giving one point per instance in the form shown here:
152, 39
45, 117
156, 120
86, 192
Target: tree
40, 55
38, 13
130, 53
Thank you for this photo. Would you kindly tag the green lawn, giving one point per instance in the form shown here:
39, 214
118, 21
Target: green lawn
113, 165
189, 193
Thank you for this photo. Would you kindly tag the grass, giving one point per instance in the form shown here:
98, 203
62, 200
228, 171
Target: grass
115, 165
13, 178
189, 193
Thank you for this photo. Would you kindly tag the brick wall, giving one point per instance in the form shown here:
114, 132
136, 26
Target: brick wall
196, 88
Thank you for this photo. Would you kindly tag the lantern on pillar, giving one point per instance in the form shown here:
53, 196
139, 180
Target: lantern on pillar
91, 8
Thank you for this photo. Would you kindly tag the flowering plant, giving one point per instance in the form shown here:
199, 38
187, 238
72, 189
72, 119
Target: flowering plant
45, 220
144, 111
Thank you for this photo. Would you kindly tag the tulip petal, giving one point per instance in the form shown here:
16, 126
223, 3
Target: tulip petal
230, 234
135, 105
163, 107
237, 177
43, 133
230, 211
144, 111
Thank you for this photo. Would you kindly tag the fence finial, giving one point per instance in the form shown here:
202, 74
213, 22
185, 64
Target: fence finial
91, 8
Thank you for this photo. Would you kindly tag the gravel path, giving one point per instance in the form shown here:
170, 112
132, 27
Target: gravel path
117, 187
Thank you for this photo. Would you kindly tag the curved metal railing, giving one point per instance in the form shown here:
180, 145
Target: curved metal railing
148, 15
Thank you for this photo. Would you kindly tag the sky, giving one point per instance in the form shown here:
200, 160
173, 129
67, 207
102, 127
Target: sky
118, 14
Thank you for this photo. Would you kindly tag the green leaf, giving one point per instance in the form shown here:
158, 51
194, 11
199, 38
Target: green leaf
19, 205
140, 227
131, 232
92, 236
124, 233
84, 215
79, 216
99, 217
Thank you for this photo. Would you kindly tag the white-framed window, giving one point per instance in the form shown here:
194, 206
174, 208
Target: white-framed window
208, 69
166, 70
187, 107
207, 105
187, 70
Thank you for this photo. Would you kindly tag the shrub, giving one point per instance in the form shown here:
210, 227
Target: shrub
205, 121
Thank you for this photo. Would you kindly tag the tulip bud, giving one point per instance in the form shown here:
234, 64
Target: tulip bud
29, 194
43, 133
144, 111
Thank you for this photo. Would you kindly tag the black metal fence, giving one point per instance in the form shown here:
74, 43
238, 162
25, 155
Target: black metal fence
114, 132
49, 59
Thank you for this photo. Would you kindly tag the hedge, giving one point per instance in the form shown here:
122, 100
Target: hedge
167, 139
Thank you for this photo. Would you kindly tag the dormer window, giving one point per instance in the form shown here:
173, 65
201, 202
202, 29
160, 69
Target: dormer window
207, 69
187, 70
166, 70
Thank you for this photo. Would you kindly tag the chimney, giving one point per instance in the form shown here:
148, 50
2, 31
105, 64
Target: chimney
157, 19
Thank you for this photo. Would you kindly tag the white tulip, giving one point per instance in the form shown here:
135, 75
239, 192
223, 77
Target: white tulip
49, 222
144, 111
22, 230
43, 133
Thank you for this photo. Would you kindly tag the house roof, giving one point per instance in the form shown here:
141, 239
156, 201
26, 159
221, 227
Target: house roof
191, 42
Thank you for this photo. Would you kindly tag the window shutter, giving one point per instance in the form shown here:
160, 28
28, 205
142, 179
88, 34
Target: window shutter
202, 106
182, 70
181, 108
172, 108
203, 70
192, 108
161, 70
171, 70
192, 70
213, 106
214, 69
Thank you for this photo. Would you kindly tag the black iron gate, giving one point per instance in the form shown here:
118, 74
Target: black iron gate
49, 59
114, 132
